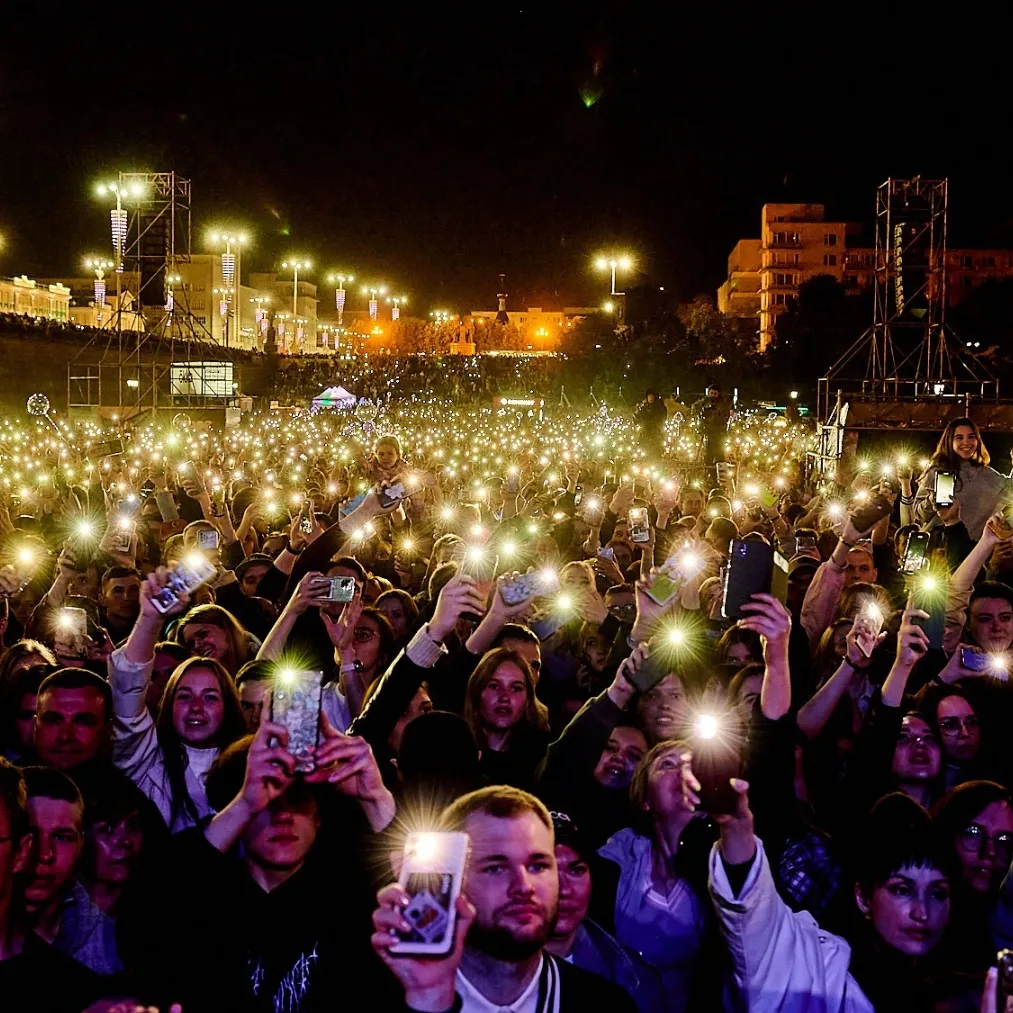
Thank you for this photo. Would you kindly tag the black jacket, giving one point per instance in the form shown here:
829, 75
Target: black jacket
217, 941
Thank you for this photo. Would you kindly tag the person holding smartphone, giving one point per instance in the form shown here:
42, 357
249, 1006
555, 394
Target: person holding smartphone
977, 487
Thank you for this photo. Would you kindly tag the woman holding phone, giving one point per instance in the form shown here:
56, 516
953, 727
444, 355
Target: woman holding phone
977, 488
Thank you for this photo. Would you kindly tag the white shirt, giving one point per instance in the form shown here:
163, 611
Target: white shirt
472, 1001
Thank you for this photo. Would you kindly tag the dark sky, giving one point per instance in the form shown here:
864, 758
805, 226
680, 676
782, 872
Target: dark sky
433, 152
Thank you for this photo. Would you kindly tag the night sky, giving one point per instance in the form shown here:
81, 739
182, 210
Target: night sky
434, 152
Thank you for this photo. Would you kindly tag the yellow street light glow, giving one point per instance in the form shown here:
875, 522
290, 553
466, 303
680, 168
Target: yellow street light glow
706, 726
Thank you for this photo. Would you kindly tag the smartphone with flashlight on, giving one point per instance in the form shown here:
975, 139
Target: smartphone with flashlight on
432, 871
942, 489
672, 576
867, 626
295, 704
929, 595
578, 495
640, 529
716, 760
186, 577
73, 624
478, 562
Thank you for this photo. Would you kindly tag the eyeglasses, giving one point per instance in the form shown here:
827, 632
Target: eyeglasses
906, 739
974, 839
623, 610
363, 635
953, 725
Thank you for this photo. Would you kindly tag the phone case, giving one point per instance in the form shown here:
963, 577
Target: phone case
750, 571
915, 552
974, 661
392, 494
432, 871
640, 530
866, 516
715, 763
934, 625
663, 588
526, 586
342, 589
182, 580
295, 703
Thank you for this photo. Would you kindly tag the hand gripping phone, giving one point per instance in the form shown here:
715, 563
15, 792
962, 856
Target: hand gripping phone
432, 871
915, 552
943, 488
341, 589
640, 529
182, 580
930, 596
295, 703
867, 626
865, 517
716, 760
750, 571
391, 495
527, 585
73, 622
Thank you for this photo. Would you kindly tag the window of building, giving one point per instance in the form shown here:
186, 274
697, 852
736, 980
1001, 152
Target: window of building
967, 262
784, 278
990, 262
851, 281
780, 298
786, 238
829, 259
830, 239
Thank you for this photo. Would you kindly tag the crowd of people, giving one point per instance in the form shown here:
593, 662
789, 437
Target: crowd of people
517, 629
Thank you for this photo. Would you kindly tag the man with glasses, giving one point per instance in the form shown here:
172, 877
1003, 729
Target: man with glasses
28, 965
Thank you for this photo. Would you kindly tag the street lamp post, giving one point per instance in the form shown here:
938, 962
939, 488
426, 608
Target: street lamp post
232, 266
99, 266
296, 265
373, 292
119, 223
396, 302
339, 292
612, 263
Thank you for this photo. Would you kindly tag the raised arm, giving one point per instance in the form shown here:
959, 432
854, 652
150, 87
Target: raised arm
912, 643
768, 617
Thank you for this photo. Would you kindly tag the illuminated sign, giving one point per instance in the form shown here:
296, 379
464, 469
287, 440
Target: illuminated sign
518, 402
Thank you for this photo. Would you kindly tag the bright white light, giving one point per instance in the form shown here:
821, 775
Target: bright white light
706, 726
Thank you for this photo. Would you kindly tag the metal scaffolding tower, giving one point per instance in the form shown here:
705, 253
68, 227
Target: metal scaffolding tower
130, 370
909, 354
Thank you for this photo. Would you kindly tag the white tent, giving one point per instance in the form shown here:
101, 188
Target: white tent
334, 397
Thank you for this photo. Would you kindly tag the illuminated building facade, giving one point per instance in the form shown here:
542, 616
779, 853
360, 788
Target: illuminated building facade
25, 297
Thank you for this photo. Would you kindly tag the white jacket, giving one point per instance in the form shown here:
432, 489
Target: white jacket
135, 743
782, 961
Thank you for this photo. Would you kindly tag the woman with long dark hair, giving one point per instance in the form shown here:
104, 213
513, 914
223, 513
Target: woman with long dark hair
977, 488
168, 757
509, 722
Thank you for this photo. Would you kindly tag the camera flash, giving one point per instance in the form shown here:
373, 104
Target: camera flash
706, 726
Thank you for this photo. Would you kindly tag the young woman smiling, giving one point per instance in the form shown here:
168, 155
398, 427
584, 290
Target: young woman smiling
169, 757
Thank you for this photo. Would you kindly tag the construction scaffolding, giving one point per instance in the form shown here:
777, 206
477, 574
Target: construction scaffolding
128, 373
908, 371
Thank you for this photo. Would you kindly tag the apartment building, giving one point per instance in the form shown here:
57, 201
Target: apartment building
797, 244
